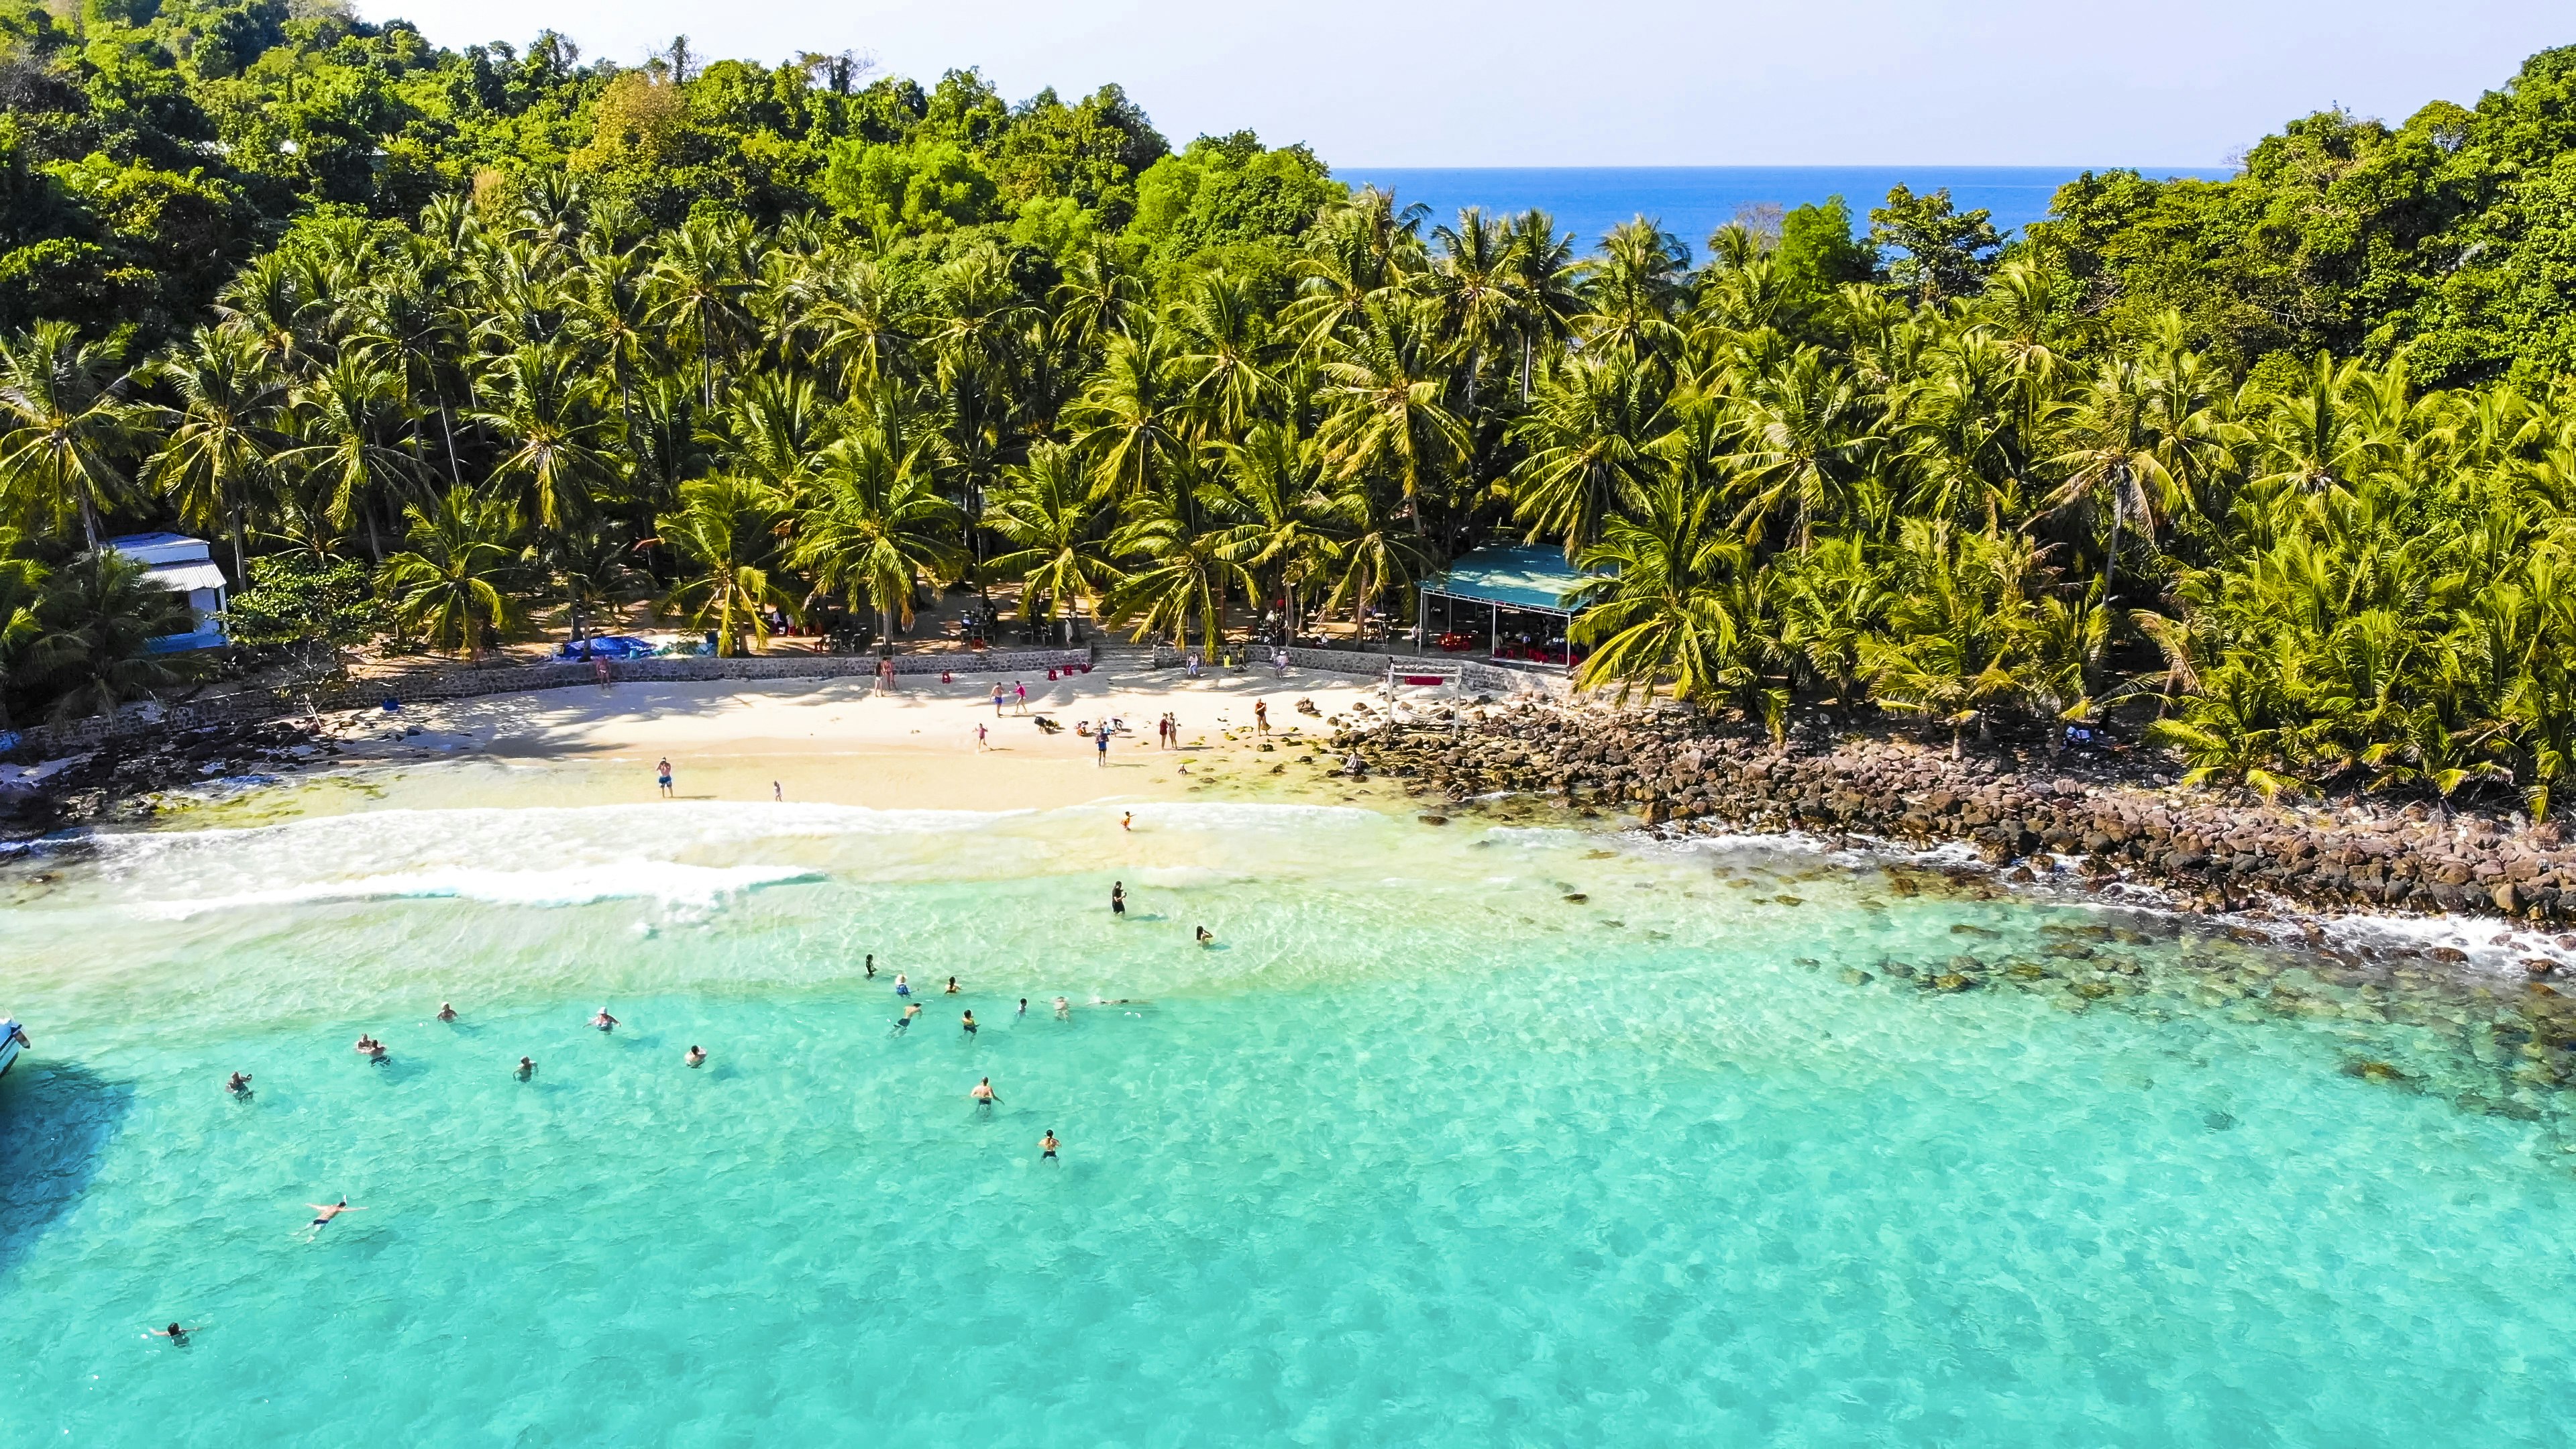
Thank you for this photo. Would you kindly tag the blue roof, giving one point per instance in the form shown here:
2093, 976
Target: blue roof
1516, 576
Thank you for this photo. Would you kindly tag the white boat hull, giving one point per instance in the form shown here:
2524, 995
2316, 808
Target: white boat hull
11, 1043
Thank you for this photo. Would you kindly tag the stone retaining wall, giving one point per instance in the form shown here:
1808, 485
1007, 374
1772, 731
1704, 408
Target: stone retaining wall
1477, 676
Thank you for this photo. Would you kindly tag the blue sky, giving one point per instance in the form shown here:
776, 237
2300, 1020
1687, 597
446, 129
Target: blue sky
1640, 82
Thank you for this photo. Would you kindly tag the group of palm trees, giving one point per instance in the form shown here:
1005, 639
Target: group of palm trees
1980, 512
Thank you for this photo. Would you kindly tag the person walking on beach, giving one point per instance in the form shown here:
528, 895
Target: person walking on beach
983, 1094
663, 769
1046, 1148
777, 793
1127, 821
1102, 739
1260, 718
1118, 899
979, 733
1022, 691
998, 697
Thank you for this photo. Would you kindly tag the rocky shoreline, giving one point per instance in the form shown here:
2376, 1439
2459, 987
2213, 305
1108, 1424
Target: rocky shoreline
121, 781
2111, 823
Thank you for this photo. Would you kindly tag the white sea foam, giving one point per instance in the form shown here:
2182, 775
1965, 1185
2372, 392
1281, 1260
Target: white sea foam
686, 886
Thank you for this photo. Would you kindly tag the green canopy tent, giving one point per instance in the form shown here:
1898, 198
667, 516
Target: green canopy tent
1523, 591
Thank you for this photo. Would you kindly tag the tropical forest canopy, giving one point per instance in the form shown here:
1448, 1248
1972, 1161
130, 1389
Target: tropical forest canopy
443, 345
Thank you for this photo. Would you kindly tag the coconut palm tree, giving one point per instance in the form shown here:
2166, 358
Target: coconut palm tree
1590, 447
1047, 510
455, 574
1383, 389
338, 418
877, 528
542, 406
213, 463
1679, 603
724, 537
69, 425
90, 646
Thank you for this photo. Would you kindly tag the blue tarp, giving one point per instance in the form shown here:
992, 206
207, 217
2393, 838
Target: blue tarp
1516, 576
607, 646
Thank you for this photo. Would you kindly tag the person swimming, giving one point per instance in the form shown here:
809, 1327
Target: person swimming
697, 1056
527, 1068
238, 1084
446, 1012
1063, 1009
983, 1093
178, 1336
969, 1023
903, 1023
324, 1212
1047, 1146
902, 985
370, 1048
1024, 1006
952, 987
1206, 935
604, 1021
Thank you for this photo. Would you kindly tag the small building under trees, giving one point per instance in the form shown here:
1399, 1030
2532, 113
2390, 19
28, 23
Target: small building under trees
184, 566
1514, 603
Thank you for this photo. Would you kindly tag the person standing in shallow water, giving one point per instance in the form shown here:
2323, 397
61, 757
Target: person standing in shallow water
663, 769
527, 1068
1046, 1148
1118, 899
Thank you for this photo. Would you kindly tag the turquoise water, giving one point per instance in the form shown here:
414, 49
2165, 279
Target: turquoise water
1692, 201
1422, 1152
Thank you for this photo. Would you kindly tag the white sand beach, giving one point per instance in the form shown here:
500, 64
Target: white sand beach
838, 742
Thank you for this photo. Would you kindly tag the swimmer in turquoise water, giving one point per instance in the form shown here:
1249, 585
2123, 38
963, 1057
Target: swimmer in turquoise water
604, 1021
527, 1068
178, 1336
1046, 1148
903, 1023
324, 1212
697, 1056
983, 1094
970, 1023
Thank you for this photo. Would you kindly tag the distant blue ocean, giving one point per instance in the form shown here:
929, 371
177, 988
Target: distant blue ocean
1692, 201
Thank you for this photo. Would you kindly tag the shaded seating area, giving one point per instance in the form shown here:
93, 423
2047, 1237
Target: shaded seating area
1508, 603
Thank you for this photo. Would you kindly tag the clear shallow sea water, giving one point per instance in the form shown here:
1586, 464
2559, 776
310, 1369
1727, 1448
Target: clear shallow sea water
1425, 1152
1693, 201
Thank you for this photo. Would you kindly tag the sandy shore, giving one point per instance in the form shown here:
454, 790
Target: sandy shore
837, 741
